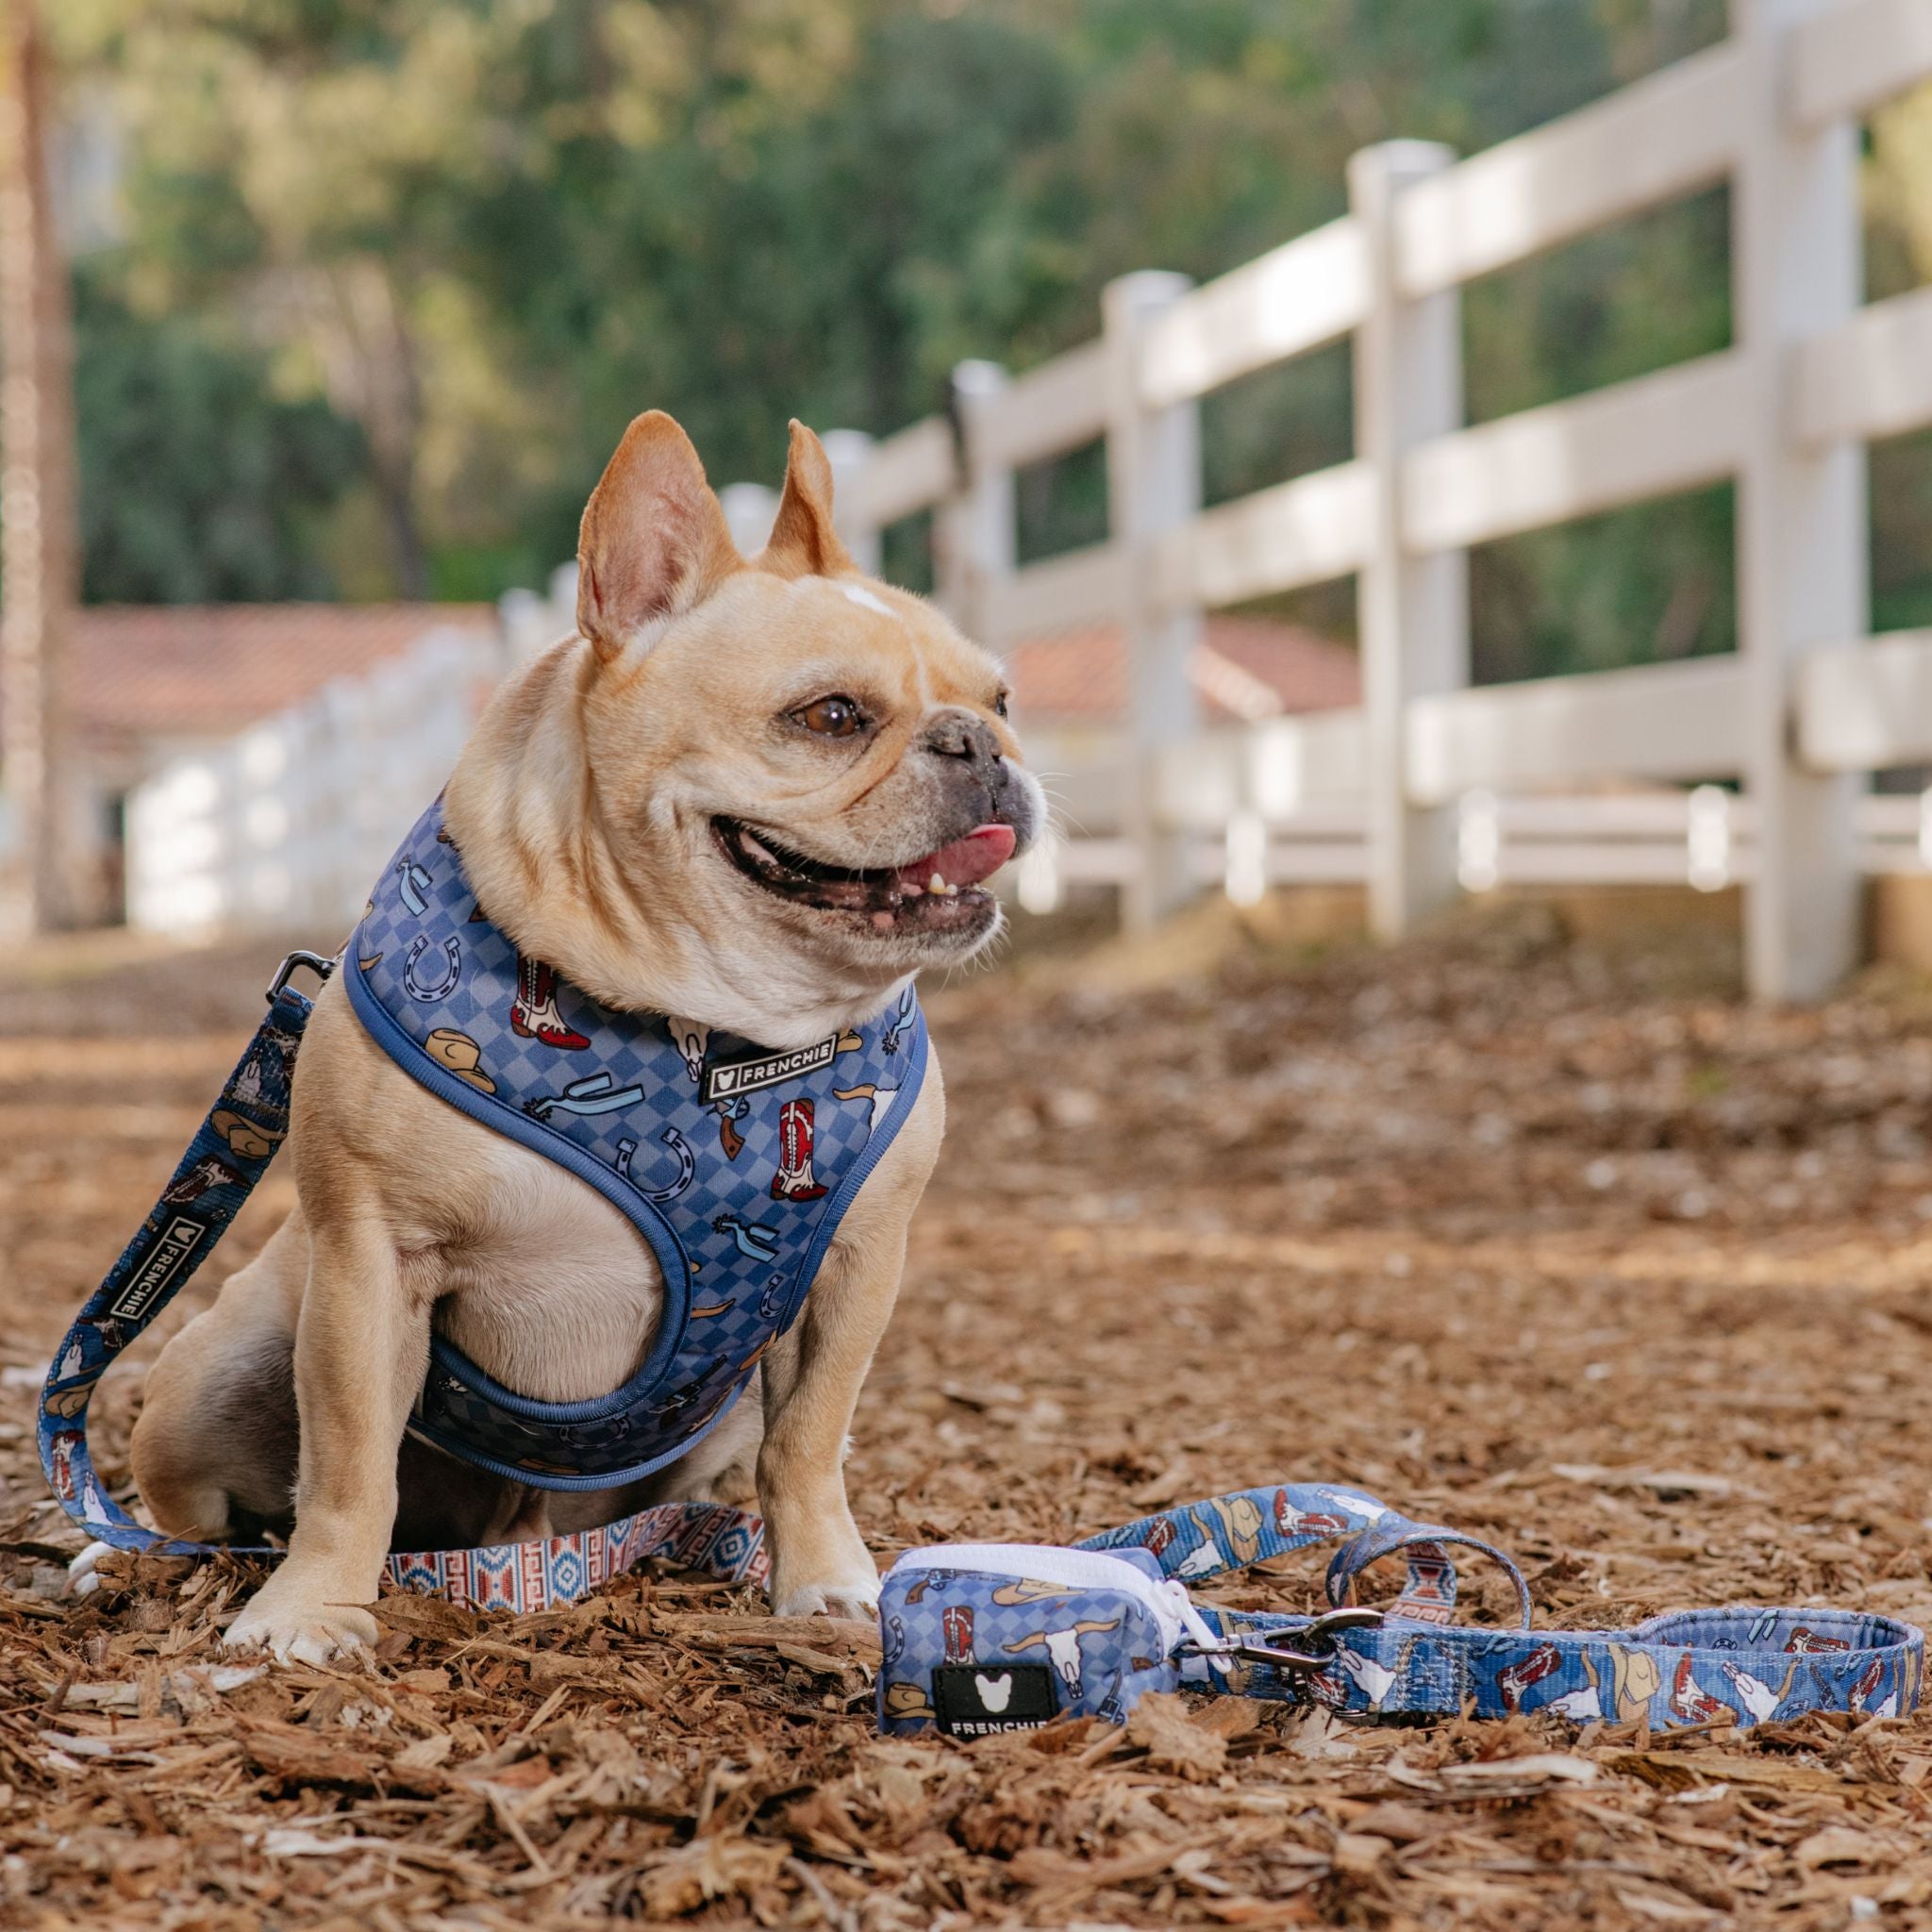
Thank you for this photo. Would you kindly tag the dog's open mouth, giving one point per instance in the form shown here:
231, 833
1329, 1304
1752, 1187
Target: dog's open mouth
938, 892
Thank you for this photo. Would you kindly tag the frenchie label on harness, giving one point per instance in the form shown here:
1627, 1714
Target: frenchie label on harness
733, 1077
974, 1700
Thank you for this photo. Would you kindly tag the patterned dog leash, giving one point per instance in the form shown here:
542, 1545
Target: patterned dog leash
992, 1637
224, 1163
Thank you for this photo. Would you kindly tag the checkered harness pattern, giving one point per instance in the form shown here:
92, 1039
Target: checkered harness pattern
437, 985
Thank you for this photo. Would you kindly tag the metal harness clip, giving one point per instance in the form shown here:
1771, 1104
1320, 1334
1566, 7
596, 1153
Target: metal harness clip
314, 961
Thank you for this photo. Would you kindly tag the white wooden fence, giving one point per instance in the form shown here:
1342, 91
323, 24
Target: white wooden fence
1431, 786
1404, 793
289, 825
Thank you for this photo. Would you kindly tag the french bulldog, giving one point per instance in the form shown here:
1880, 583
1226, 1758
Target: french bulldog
762, 794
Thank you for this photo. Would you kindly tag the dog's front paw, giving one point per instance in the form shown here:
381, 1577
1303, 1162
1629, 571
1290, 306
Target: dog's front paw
851, 1590
296, 1626
859, 1603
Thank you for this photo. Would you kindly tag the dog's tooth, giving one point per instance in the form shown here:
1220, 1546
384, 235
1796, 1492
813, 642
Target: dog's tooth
937, 883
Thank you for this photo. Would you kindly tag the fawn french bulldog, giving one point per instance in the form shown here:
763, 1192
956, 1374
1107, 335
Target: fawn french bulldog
759, 795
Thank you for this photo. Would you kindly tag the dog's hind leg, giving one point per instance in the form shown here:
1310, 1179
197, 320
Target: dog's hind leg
214, 1446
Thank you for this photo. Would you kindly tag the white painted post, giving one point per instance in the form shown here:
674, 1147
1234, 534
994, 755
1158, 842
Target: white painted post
750, 509
849, 451
1153, 485
1802, 513
975, 530
1412, 611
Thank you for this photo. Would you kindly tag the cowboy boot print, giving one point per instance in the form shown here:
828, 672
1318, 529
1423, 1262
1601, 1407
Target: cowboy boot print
794, 1180
533, 1015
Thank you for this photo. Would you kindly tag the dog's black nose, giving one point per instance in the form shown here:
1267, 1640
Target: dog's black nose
960, 735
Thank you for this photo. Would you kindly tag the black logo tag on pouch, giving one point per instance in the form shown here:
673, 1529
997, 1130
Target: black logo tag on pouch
974, 1700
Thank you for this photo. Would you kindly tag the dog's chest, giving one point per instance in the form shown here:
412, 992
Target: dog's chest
552, 1291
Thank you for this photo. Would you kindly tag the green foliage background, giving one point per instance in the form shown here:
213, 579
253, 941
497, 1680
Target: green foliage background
397, 271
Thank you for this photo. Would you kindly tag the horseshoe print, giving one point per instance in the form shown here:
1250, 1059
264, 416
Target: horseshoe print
687, 1167
420, 974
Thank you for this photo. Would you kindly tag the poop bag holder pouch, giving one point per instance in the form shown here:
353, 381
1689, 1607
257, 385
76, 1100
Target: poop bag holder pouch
1002, 1637
999, 1637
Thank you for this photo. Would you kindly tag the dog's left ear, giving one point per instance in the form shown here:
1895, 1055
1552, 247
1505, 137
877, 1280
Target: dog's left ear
803, 542
653, 541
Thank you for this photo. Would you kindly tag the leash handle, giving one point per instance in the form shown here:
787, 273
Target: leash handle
227, 1158
1196, 1540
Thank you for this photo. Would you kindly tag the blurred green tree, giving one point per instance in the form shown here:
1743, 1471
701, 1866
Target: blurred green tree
488, 233
198, 483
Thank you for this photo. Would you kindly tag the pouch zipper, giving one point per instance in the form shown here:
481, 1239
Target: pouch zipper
1167, 1602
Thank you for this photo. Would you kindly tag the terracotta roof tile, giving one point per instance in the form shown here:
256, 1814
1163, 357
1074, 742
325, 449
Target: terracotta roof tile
1083, 673
190, 670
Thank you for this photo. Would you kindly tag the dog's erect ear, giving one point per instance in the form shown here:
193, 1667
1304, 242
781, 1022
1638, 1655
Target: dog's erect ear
804, 544
654, 543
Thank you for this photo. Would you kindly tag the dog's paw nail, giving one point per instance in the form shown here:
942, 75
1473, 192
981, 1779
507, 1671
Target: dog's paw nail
82, 1578
856, 1606
306, 1637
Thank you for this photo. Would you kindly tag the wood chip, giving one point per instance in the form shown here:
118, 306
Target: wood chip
1163, 1726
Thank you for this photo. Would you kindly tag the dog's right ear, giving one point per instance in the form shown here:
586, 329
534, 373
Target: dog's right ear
654, 543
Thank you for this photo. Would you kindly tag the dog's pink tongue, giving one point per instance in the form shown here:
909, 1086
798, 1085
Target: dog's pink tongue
965, 861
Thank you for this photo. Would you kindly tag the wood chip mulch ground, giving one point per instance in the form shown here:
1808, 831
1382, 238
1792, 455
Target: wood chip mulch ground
1561, 1245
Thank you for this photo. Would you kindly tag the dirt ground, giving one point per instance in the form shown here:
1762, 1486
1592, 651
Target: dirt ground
1562, 1246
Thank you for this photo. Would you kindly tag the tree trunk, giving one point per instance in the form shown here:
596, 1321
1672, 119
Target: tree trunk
39, 550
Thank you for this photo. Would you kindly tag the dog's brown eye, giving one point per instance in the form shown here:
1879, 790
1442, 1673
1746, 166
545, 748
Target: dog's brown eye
999, 706
832, 717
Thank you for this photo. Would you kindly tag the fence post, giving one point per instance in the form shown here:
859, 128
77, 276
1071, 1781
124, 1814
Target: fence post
974, 529
1412, 611
1153, 485
750, 509
1802, 513
849, 451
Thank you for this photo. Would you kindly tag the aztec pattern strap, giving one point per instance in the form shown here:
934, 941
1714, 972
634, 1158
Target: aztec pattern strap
1739, 1665
224, 1161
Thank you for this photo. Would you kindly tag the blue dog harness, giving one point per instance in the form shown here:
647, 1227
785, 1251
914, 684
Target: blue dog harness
735, 1162
224, 1163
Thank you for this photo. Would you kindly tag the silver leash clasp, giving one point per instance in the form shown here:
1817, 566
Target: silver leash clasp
1316, 1641
314, 961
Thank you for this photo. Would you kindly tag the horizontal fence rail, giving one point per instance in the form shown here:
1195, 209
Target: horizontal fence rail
1713, 772
1658, 139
